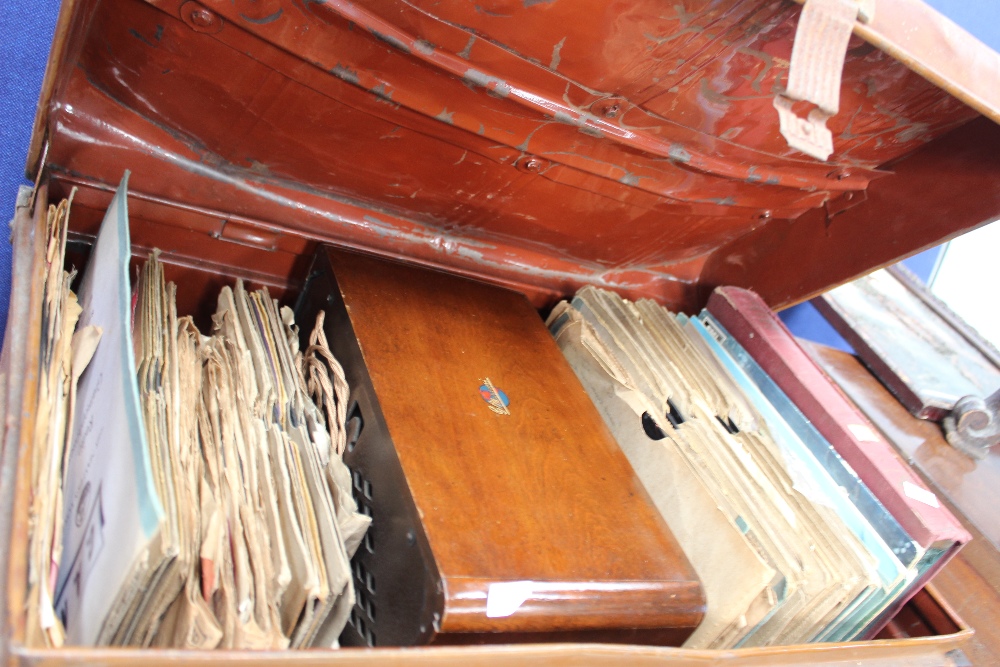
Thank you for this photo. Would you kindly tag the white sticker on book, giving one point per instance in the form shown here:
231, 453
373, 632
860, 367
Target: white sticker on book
921, 495
713, 329
863, 432
506, 597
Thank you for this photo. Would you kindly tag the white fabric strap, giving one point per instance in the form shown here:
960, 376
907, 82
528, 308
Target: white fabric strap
814, 74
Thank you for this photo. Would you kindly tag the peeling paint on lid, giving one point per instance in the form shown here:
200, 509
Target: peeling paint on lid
345, 73
391, 41
271, 18
556, 58
678, 153
563, 117
466, 53
477, 78
382, 92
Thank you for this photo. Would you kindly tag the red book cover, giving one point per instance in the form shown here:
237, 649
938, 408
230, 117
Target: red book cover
755, 326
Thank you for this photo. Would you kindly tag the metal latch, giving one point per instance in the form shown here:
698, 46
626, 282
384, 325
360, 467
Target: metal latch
814, 74
973, 426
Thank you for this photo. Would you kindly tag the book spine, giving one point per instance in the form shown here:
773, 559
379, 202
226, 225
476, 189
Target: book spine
748, 319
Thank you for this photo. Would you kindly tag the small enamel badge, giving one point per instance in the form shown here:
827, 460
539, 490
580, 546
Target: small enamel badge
495, 398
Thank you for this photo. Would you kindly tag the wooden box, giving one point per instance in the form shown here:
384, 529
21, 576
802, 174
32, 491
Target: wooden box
476, 503
541, 146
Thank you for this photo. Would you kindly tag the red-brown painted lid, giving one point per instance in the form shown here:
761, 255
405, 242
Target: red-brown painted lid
545, 144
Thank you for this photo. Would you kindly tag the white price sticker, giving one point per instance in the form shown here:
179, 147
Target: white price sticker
921, 495
863, 432
506, 597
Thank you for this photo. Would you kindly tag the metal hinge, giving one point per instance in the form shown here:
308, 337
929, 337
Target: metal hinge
814, 74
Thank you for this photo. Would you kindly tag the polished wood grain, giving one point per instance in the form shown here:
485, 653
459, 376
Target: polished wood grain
970, 582
543, 494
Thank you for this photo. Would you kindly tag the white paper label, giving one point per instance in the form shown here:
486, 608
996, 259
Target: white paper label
47, 613
863, 433
921, 495
506, 597
714, 330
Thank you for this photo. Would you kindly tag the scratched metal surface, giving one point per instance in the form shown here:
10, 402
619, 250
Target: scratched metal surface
545, 144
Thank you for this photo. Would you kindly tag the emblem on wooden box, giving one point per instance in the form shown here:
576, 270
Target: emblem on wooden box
495, 398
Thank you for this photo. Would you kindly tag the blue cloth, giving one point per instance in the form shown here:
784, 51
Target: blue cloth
25, 34
980, 17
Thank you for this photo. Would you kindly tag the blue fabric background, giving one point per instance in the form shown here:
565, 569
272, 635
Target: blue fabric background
25, 34
26, 31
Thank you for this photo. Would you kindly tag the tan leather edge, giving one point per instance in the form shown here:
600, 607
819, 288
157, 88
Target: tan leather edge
886, 653
938, 49
21, 348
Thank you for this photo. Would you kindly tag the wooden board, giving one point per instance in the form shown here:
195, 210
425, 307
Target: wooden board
539, 502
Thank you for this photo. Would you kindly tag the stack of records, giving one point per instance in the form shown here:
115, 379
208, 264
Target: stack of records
790, 544
188, 489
